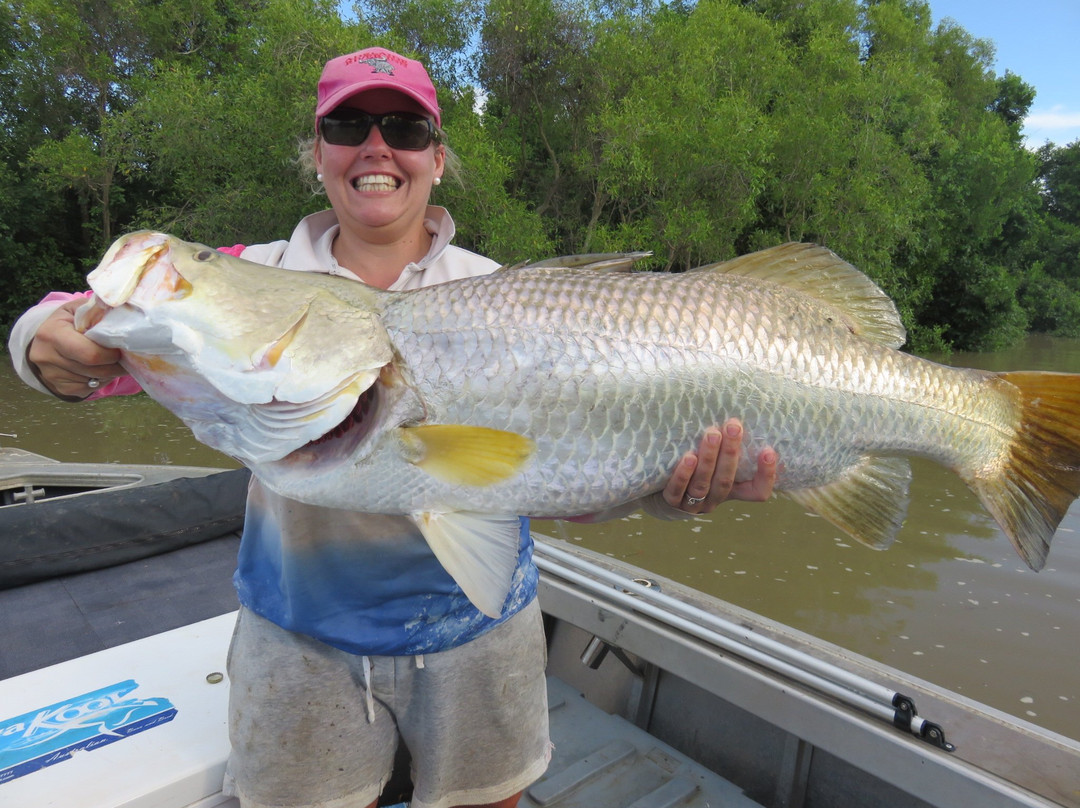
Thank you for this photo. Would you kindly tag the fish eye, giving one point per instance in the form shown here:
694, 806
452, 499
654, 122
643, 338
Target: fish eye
204, 255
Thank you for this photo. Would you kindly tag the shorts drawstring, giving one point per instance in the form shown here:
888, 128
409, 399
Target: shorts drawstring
368, 698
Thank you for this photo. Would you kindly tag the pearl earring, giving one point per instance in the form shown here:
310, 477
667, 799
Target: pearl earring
437, 181
318, 177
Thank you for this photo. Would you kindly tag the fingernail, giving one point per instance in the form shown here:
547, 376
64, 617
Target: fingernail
712, 437
733, 430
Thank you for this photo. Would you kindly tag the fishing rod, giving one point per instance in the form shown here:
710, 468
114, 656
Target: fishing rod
643, 596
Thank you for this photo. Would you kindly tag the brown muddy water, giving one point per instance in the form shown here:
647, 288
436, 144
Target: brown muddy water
949, 602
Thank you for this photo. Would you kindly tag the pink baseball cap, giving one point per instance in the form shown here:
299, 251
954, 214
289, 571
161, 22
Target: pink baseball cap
370, 69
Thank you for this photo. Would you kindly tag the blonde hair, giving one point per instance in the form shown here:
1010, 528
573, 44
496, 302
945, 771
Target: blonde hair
305, 161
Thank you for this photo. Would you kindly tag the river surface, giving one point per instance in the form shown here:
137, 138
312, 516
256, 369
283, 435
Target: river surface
950, 601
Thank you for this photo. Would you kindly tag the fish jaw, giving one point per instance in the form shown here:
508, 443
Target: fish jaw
126, 265
254, 368
368, 429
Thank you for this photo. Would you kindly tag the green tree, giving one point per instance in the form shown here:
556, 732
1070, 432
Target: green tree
1060, 175
533, 68
1051, 294
695, 130
439, 32
490, 220
87, 53
684, 127
221, 146
858, 117
75, 72
58, 190
983, 186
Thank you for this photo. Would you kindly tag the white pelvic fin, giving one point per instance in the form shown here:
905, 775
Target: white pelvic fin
478, 550
869, 502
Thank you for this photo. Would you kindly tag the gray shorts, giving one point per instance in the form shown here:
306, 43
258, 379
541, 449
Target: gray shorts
474, 718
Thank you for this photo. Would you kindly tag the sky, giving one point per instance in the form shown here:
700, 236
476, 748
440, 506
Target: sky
1037, 40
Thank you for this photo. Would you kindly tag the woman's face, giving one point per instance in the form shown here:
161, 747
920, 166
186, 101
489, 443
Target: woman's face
373, 188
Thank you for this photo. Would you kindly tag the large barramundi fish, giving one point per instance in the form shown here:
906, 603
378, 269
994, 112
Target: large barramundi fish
560, 390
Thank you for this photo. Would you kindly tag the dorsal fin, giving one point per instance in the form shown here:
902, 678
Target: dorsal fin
605, 262
844, 293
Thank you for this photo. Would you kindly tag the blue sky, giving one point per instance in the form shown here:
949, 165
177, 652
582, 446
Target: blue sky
1037, 40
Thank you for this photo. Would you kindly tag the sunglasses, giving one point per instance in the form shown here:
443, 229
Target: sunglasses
400, 130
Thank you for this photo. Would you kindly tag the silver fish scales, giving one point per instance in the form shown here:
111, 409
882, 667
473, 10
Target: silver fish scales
558, 391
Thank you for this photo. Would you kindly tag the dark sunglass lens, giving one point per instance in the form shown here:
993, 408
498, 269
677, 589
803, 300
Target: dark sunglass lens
402, 132
346, 128
349, 127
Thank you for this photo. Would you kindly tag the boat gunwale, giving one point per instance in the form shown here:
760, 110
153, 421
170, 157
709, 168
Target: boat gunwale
1003, 756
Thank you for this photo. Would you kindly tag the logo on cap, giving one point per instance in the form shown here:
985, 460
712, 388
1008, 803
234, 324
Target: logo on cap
380, 65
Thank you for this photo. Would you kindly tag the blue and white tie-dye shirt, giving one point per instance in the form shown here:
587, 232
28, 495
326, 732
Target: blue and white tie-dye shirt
365, 583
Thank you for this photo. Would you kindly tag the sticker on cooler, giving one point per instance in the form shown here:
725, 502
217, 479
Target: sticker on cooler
50, 734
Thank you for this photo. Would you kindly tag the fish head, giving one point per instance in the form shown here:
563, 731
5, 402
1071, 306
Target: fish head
257, 361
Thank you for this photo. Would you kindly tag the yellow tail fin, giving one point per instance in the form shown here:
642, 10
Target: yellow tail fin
1032, 492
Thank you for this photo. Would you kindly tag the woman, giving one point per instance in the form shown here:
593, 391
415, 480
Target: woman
351, 636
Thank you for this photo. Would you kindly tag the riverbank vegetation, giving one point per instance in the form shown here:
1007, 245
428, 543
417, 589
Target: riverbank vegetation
697, 130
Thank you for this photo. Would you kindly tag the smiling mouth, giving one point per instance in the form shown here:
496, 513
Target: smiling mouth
376, 182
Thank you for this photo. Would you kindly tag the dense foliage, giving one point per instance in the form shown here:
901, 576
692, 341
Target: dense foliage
695, 130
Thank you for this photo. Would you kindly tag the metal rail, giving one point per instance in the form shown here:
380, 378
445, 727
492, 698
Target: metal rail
824, 677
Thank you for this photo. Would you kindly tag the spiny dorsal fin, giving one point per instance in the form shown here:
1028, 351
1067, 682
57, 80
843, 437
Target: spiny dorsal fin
868, 502
600, 262
844, 293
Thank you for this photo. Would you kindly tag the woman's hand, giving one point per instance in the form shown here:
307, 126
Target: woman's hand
66, 361
705, 478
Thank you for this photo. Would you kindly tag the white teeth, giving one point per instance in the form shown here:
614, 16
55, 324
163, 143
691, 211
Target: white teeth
375, 182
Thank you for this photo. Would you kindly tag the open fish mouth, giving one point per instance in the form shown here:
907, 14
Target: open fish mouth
337, 444
359, 418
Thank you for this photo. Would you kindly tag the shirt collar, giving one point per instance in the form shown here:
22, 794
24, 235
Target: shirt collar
437, 222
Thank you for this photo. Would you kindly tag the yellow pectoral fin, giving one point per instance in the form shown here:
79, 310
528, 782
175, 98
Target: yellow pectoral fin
466, 455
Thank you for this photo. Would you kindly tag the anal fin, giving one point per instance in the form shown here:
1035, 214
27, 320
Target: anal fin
869, 502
